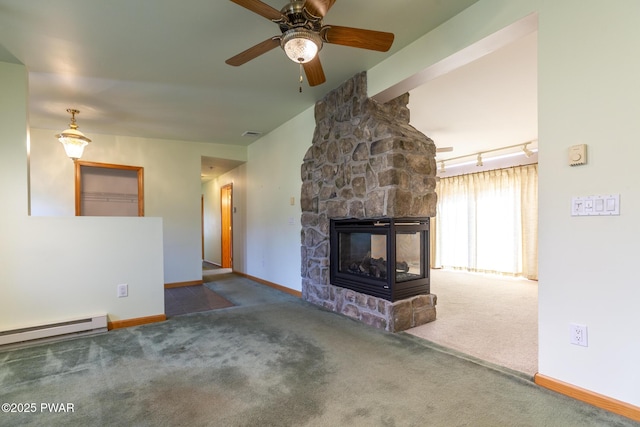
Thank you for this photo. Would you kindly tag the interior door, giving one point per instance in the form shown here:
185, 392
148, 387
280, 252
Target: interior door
226, 203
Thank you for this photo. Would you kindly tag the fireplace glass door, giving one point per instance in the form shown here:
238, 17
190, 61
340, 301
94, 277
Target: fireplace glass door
384, 257
409, 256
364, 254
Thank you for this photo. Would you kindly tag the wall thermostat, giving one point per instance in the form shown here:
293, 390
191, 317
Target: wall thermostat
578, 155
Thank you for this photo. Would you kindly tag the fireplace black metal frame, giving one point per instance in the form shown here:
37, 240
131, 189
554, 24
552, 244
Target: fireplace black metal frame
387, 288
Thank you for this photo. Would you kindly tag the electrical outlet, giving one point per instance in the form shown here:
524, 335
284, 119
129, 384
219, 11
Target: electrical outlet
123, 290
578, 334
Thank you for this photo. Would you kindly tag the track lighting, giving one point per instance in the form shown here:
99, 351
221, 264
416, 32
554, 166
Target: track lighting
480, 157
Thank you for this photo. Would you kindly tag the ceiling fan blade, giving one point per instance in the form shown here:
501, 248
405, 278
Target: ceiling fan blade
314, 72
356, 37
318, 8
254, 52
260, 8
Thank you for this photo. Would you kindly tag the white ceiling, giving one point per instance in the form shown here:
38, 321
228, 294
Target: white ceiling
484, 105
155, 68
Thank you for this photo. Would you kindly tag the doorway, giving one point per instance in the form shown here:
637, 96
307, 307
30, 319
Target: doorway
226, 216
490, 317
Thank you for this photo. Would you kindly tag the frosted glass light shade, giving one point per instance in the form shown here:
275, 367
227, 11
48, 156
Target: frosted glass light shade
73, 142
301, 45
72, 139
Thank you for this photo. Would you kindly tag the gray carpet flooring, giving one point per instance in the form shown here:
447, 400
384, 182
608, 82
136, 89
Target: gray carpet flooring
271, 360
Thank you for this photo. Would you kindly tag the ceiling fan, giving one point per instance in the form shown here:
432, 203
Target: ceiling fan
303, 34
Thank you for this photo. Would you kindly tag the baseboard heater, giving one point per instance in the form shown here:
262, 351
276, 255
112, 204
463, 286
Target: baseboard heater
67, 328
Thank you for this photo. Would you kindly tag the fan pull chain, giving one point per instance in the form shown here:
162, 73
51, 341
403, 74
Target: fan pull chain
300, 90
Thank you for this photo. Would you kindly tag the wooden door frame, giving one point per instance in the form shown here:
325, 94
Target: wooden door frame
229, 212
202, 224
79, 164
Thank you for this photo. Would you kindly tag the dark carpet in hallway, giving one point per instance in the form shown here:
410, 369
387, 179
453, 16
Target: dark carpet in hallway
192, 299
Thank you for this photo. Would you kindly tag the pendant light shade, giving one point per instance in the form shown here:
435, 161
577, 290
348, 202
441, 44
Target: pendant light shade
72, 139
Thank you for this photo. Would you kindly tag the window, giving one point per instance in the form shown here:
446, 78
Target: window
488, 222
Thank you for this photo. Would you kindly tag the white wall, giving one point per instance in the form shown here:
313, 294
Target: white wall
172, 187
589, 94
273, 224
55, 269
212, 221
63, 268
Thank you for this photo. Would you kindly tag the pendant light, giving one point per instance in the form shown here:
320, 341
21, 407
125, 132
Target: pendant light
72, 139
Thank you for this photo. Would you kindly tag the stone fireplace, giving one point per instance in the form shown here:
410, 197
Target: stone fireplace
366, 163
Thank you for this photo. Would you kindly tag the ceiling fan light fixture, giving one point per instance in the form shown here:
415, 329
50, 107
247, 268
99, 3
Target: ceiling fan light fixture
72, 139
301, 45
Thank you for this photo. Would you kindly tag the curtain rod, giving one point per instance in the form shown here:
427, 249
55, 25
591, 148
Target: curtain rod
439, 178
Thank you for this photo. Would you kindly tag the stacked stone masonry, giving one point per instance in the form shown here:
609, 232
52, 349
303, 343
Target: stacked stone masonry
366, 161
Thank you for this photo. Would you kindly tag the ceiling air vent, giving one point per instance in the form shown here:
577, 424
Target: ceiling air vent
251, 133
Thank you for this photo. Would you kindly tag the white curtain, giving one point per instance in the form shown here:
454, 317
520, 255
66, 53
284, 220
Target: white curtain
488, 222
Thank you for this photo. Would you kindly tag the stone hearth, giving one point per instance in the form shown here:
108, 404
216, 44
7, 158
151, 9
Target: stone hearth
366, 161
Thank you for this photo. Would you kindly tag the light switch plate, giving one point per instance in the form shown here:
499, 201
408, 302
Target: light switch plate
599, 205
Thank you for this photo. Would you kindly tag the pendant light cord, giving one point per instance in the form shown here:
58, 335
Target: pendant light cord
300, 89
